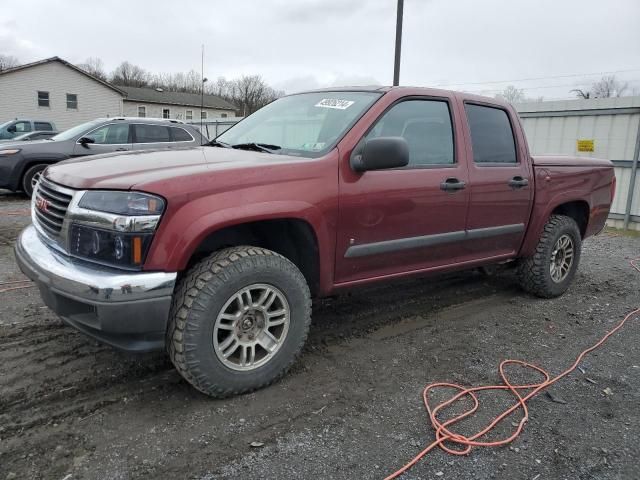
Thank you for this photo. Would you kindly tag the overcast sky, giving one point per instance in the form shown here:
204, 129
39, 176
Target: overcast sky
299, 44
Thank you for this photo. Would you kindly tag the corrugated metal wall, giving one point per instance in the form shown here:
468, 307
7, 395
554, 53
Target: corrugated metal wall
613, 126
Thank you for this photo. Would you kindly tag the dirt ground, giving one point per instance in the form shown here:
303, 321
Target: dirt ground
351, 408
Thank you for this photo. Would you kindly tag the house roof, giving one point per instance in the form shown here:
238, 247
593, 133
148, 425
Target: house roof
64, 62
151, 95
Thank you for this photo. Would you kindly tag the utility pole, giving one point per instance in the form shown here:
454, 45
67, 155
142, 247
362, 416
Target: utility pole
396, 66
202, 91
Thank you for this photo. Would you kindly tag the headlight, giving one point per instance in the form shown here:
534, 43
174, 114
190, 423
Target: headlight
114, 228
9, 151
117, 249
122, 203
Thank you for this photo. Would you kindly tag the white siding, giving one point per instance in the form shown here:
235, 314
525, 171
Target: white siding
179, 112
19, 96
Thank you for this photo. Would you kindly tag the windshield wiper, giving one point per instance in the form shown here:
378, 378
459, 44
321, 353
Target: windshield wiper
216, 143
261, 147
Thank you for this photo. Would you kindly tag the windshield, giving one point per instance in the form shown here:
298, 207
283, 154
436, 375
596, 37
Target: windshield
307, 124
3, 125
75, 131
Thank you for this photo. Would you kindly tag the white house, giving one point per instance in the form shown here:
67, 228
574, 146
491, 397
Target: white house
158, 103
56, 90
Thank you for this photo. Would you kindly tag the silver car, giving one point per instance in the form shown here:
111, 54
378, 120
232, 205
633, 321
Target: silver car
21, 163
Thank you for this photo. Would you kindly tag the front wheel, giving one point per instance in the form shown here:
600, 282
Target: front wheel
31, 178
550, 270
238, 321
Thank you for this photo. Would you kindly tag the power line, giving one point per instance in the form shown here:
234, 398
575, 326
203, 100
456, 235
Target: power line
538, 78
574, 85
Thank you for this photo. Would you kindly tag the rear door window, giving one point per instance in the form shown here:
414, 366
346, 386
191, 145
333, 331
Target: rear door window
151, 133
492, 138
43, 126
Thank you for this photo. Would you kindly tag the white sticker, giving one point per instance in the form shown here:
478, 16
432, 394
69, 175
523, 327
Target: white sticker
335, 103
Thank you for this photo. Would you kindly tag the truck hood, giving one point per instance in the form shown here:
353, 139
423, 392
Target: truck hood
569, 161
128, 170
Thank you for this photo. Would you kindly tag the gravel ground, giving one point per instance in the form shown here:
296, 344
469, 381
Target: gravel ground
351, 408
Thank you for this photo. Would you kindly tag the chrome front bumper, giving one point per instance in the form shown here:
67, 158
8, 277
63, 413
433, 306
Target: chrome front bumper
128, 310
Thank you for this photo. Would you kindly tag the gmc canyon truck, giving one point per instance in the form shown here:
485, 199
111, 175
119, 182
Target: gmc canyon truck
214, 253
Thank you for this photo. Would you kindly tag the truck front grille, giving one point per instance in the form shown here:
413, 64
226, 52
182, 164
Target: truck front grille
50, 206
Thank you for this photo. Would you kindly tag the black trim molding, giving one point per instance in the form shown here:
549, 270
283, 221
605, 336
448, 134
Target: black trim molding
389, 246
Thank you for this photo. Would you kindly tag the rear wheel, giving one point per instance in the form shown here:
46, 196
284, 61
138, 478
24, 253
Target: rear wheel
239, 319
550, 270
31, 177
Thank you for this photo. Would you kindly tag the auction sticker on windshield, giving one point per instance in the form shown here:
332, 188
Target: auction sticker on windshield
335, 103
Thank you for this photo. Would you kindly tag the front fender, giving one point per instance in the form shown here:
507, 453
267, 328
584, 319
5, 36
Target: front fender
183, 230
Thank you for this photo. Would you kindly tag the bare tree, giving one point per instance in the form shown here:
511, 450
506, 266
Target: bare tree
248, 93
8, 61
94, 66
512, 94
177, 82
129, 75
609, 87
606, 87
584, 94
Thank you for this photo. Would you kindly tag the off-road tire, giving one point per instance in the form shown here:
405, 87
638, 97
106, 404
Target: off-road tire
27, 178
533, 272
199, 297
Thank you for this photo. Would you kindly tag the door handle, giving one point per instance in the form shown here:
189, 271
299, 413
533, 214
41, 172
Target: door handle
518, 182
452, 184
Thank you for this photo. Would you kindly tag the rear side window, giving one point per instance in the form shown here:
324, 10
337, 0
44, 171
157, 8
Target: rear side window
491, 135
180, 135
43, 126
152, 134
425, 125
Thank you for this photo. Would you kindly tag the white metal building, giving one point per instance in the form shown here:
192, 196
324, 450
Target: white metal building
603, 128
55, 90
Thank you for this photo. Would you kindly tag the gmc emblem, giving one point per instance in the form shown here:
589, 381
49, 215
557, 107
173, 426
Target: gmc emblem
42, 204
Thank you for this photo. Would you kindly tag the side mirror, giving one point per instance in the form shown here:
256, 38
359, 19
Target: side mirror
85, 140
381, 153
12, 129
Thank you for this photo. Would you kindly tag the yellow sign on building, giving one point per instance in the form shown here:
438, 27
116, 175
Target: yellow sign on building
585, 145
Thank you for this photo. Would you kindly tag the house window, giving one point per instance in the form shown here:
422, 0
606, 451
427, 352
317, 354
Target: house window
43, 99
223, 115
203, 115
166, 113
142, 111
189, 115
72, 101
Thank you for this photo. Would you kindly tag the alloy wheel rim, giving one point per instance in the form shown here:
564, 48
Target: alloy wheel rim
561, 258
251, 327
34, 180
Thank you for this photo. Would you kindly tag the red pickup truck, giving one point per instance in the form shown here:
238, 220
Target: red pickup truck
215, 252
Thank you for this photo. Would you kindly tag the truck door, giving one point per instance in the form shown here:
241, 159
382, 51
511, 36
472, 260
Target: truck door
404, 219
501, 181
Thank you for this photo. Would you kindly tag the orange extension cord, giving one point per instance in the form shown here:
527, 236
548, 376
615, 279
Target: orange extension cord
445, 435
